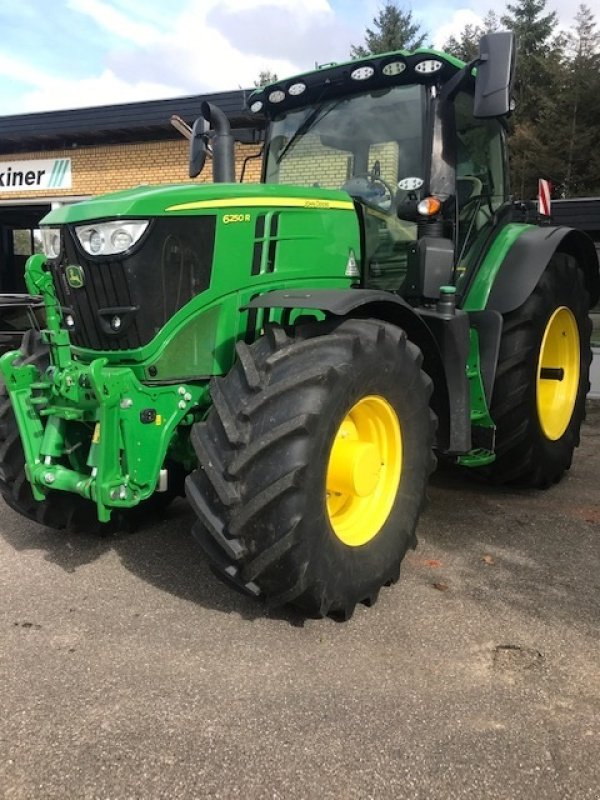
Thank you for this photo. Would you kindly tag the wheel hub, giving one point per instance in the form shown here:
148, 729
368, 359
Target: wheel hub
354, 466
364, 469
558, 373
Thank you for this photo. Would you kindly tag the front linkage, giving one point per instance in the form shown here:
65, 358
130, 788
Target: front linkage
93, 429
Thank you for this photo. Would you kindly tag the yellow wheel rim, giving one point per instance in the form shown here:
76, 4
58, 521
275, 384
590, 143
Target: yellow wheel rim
558, 373
364, 469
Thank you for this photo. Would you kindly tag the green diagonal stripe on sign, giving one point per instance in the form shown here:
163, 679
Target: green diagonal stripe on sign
63, 168
52, 178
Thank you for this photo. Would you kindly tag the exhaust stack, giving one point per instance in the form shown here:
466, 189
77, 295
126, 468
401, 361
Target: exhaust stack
222, 144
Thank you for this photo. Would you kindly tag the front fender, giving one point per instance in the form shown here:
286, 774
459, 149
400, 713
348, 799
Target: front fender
374, 303
444, 350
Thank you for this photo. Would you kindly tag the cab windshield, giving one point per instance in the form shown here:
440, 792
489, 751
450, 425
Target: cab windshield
358, 143
369, 145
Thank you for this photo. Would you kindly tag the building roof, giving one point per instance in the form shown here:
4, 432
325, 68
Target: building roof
127, 122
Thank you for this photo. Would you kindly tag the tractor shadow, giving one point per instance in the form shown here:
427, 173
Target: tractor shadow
531, 551
159, 550
166, 555
68, 550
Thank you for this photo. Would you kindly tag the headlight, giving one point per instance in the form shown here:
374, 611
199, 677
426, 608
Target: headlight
109, 238
51, 242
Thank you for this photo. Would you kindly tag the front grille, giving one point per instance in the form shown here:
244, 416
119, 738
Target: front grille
143, 289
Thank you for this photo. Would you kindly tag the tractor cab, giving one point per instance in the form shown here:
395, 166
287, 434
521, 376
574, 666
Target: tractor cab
415, 141
369, 145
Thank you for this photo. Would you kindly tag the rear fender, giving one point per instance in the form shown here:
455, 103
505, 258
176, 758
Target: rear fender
527, 259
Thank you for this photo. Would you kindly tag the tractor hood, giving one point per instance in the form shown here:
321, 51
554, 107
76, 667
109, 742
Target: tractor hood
154, 201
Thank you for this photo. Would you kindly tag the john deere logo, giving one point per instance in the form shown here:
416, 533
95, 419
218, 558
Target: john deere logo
75, 276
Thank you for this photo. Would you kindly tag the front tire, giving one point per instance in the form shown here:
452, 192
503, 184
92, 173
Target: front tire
313, 464
542, 379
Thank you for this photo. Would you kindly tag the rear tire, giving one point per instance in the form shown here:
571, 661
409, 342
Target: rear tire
269, 520
537, 432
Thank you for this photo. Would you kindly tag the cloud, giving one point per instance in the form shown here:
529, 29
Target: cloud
19, 70
126, 50
299, 33
460, 17
455, 25
104, 89
308, 6
136, 53
196, 56
117, 23
215, 46
50, 92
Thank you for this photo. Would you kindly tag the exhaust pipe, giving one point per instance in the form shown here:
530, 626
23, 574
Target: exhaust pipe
222, 144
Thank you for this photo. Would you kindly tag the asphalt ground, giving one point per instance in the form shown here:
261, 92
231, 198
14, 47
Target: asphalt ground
128, 671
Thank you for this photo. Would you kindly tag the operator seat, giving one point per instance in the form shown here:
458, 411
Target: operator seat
469, 187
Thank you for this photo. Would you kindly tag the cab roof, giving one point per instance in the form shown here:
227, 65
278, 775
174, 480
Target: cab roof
371, 73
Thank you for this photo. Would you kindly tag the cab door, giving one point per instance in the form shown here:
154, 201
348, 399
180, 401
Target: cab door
481, 180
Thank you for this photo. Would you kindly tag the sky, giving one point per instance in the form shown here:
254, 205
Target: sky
77, 53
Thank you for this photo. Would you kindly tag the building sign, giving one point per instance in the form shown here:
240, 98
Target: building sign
24, 176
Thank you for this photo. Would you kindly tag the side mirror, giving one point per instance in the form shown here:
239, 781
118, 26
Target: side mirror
495, 72
198, 146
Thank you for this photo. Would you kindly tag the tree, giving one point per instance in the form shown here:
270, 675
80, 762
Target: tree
491, 22
539, 53
394, 29
265, 76
466, 45
570, 119
539, 81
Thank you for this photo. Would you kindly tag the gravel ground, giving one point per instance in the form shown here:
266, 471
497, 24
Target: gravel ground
128, 671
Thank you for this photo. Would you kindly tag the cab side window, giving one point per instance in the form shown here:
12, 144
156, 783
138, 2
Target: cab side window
387, 237
480, 173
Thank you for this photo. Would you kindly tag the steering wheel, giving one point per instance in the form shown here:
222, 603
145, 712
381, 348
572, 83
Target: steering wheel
374, 190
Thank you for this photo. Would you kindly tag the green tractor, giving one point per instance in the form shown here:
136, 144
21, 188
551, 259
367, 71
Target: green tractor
295, 354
